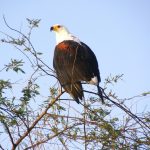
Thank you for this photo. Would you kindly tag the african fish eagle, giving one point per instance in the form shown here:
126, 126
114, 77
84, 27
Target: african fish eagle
74, 63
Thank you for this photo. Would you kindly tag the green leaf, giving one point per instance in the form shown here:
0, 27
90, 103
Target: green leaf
15, 65
145, 93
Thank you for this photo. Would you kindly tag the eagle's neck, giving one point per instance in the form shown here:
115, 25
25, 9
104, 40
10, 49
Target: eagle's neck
65, 35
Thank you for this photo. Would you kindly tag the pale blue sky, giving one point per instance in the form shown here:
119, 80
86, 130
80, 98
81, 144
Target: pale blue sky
117, 31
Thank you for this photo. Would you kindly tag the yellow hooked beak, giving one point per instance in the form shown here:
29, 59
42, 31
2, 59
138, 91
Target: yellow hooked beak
55, 28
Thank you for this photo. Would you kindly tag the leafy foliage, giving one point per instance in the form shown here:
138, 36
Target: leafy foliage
15, 65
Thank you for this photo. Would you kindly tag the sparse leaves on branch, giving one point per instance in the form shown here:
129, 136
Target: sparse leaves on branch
15, 65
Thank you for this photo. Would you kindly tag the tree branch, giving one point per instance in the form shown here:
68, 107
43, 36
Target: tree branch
53, 136
35, 122
34, 51
9, 133
136, 118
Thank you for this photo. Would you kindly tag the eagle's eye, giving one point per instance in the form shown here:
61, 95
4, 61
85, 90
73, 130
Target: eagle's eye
58, 26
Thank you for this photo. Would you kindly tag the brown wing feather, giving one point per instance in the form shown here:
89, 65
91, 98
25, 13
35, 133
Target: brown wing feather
74, 63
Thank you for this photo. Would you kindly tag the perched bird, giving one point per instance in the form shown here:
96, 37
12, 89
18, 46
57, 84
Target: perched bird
74, 63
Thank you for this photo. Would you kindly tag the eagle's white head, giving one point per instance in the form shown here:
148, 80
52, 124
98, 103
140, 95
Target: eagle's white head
62, 33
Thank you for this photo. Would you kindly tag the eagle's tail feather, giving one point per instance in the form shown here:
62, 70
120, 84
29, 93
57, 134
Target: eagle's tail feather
75, 90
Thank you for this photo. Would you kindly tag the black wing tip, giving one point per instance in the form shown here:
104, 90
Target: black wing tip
100, 93
77, 100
